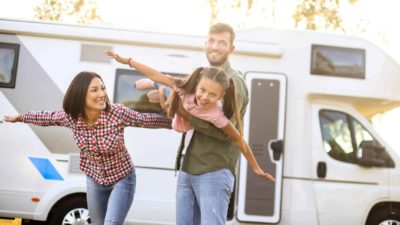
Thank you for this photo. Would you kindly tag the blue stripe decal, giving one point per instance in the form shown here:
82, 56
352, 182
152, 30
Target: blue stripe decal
46, 169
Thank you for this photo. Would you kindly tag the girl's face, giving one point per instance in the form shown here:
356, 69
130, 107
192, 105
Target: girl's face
208, 92
96, 95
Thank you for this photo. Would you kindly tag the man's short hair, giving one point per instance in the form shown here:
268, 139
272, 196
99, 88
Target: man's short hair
222, 27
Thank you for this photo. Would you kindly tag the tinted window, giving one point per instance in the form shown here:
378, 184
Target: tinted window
343, 136
125, 92
336, 135
8, 64
338, 61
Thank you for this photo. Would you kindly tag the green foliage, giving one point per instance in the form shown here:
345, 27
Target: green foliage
239, 8
81, 11
319, 14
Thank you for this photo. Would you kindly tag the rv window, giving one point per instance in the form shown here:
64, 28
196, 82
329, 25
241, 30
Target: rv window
338, 61
125, 93
336, 135
342, 136
8, 64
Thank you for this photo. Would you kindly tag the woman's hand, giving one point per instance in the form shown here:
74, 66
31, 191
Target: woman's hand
117, 57
13, 119
265, 175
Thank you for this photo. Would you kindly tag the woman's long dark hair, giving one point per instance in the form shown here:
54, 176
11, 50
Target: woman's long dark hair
189, 85
75, 97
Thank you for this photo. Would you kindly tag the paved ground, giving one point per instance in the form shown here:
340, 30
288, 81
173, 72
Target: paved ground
10, 222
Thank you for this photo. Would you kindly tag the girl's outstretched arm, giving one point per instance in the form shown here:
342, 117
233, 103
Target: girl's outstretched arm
231, 132
151, 73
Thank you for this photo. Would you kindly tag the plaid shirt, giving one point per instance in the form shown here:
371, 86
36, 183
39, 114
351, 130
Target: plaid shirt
103, 155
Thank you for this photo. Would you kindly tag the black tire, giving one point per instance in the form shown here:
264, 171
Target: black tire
70, 211
385, 217
33, 222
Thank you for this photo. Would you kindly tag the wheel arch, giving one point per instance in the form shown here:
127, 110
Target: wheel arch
59, 193
60, 202
381, 206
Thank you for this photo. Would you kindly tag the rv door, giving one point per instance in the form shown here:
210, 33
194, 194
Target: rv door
259, 200
344, 185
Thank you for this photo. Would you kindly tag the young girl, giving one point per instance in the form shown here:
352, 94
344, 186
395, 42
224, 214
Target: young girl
201, 95
98, 129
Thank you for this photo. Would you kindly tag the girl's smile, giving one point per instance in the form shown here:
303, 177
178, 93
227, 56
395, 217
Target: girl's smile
208, 92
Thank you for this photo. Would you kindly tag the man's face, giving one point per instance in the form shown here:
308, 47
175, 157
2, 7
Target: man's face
218, 47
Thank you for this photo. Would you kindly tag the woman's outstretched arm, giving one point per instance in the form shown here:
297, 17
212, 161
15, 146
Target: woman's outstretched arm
41, 118
13, 119
151, 73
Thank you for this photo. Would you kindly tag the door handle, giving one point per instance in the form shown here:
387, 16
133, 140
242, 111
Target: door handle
321, 169
277, 148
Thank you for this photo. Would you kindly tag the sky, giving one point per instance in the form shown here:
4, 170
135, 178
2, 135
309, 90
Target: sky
379, 18
192, 16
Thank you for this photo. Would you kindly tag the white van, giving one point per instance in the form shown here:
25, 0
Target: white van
311, 97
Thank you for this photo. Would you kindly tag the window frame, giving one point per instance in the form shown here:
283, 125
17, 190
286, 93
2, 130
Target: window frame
16, 48
313, 62
133, 72
350, 122
351, 130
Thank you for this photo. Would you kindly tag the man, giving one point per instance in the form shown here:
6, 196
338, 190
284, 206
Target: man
207, 158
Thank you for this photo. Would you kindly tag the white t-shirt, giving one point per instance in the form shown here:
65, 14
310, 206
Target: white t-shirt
188, 137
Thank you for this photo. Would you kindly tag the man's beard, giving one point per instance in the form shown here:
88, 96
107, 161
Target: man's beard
219, 62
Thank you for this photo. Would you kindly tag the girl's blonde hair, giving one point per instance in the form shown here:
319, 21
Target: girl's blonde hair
189, 85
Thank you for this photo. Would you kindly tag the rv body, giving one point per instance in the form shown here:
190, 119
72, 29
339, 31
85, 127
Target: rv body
311, 96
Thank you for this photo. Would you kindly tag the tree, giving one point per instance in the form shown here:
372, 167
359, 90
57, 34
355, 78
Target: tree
320, 14
81, 11
239, 9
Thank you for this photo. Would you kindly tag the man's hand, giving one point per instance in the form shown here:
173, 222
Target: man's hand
182, 112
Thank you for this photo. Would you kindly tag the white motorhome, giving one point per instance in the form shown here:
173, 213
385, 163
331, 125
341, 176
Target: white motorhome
311, 98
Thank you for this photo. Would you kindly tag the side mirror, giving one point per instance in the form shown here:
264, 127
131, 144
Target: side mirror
368, 154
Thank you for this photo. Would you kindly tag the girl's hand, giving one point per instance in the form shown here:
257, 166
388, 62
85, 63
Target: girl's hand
12, 119
265, 175
117, 57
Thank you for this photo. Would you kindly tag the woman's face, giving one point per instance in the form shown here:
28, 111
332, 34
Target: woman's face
96, 95
208, 92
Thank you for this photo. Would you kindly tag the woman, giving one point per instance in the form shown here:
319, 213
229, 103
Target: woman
98, 130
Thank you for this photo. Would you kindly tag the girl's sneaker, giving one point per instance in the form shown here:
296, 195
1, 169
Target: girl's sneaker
154, 96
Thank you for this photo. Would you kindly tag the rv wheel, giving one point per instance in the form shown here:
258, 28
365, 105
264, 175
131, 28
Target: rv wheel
385, 217
71, 211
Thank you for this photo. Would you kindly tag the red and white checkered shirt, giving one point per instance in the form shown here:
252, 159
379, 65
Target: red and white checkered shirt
103, 155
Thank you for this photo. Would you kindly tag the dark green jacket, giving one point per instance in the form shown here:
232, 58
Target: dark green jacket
210, 149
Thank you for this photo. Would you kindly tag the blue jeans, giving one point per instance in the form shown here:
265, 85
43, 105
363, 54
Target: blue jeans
109, 205
203, 199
